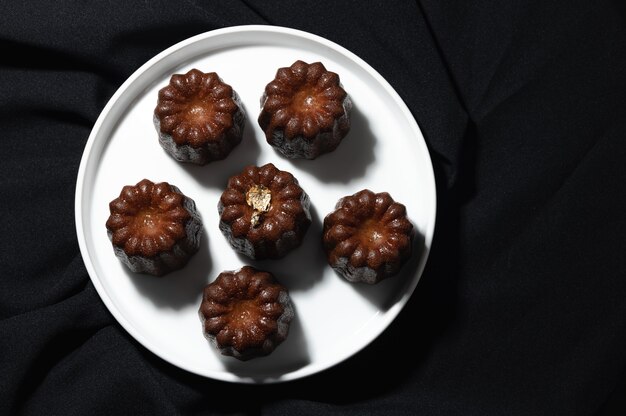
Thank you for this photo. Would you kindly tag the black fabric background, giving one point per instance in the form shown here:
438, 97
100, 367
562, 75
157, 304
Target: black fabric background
521, 309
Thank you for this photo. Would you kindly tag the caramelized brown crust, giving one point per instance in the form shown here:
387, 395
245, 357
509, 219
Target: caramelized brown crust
198, 117
154, 228
264, 213
246, 313
367, 237
305, 111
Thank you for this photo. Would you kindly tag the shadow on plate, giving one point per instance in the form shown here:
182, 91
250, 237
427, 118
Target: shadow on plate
288, 357
216, 174
388, 292
349, 160
179, 288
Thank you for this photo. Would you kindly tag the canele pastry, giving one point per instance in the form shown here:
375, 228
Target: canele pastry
198, 117
264, 213
154, 228
367, 238
305, 111
246, 313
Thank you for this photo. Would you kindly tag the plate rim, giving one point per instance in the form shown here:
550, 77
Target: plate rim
227, 376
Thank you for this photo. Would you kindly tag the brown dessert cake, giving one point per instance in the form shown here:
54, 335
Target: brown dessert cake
154, 228
264, 213
198, 117
367, 238
305, 111
246, 313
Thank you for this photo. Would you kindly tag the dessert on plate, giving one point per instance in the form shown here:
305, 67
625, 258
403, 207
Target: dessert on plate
246, 313
305, 112
264, 213
154, 228
367, 238
198, 117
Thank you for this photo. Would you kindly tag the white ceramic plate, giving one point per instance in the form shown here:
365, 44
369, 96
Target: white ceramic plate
384, 151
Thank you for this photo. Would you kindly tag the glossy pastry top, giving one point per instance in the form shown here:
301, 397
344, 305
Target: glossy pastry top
367, 229
302, 100
241, 309
263, 203
195, 108
147, 218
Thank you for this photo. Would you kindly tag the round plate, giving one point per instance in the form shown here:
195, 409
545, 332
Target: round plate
384, 151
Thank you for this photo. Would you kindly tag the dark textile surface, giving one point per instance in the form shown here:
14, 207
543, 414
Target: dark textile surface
522, 307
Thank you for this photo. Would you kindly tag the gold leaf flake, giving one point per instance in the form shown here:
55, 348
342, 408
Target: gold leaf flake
258, 197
